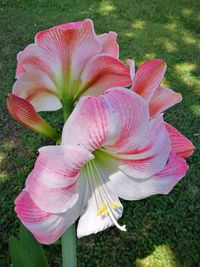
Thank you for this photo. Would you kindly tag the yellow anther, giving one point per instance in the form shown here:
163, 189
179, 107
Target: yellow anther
112, 205
117, 204
98, 212
103, 207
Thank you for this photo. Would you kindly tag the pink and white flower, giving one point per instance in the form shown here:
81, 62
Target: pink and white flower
110, 149
67, 61
146, 82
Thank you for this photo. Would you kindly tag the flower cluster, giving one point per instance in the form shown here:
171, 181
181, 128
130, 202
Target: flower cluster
115, 143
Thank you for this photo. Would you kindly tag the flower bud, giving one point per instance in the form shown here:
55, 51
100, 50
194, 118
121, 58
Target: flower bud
26, 115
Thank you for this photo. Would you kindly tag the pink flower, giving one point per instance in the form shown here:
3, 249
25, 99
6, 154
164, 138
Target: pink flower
146, 82
67, 61
63, 63
110, 149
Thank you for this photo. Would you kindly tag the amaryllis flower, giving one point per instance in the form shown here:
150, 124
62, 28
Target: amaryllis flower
110, 149
146, 82
65, 62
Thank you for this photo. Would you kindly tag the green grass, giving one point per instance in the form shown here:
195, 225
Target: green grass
162, 230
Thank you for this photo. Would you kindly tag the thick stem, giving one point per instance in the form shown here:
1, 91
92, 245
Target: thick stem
69, 247
69, 237
68, 106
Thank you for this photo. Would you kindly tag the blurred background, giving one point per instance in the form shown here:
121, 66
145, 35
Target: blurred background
163, 231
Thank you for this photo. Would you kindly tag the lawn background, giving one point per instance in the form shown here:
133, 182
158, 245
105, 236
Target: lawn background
162, 230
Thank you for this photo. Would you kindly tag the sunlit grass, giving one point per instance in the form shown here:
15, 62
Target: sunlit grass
162, 256
195, 109
106, 7
139, 24
186, 73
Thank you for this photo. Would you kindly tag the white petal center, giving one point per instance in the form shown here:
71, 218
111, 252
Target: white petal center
106, 202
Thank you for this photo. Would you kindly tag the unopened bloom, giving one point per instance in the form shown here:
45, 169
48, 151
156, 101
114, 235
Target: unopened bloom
25, 114
146, 82
110, 149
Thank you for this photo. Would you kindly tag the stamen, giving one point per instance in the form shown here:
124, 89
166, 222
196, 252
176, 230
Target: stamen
115, 204
107, 209
103, 209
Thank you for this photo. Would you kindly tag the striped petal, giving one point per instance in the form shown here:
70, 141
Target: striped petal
52, 184
148, 78
150, 154
46, 227
108, 43
182, 146
70, 48
26, 115
162, 99
39, 57
101, 73
37, 88
36, 58
131, 188
106, 120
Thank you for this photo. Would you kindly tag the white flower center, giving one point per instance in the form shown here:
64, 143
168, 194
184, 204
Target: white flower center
106, 203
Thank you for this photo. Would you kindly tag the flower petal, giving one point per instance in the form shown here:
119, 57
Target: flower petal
150, 154
162, 99
26, 115
108, 43
108, 120
103, 72
70, 48
35, 57
46, 227
148, 78
23, 111
131, 64
130, 188
87, 124
52, 184
182, 146
71, 25
36, 87
39, 57
130, 131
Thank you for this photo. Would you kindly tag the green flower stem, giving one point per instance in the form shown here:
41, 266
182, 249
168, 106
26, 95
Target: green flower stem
69, 237
69, 247
68, 106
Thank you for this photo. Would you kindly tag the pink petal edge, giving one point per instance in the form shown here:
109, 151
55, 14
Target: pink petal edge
162, 99
148, 78
181, 145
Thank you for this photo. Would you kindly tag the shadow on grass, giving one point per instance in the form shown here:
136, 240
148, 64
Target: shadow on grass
146, 30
